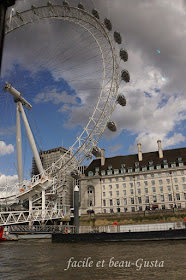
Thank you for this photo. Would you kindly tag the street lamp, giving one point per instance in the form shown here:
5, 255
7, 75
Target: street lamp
4, 4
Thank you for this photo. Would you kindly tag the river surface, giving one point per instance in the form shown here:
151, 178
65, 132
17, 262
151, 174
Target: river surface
44, 260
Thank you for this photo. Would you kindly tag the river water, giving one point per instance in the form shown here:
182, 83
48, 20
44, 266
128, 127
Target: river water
44, 260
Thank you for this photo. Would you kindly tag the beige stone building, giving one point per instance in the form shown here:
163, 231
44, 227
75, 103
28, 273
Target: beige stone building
138, 182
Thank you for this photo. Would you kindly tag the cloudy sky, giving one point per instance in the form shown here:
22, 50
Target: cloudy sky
63, 88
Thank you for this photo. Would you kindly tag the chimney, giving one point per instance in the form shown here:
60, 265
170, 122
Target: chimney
102, 157
160, 151
139, 152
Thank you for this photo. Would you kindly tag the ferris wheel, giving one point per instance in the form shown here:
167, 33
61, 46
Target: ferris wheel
106, 43
108, 96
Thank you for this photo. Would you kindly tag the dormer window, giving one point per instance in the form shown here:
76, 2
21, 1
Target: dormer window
179, 159
123, 170
136, 164
150, 163
137, 169
116, 171
165, 161
129, 169
144, 168
158, 166
109, 167
173, 164
90, 173
122, 165
96, 169
109, 172
151, 167
102, 172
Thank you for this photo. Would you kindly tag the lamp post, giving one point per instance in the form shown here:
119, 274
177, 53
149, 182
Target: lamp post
4, 4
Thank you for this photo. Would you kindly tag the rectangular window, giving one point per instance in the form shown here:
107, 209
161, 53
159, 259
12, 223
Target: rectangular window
161, 189
131, 191
104, 211
139, 200
104, 194
184, 186
124, 192
168, 181
131, 185
154, 198
132, 200
146, 199
103, 187
111, 203
109, 180
154, 189
110, 187
152, 175
162, 198
153, 182
175, 180
118, 202
117, 193
139, 191
111, 210
125, 201
178, 196
110, 193
145, 176
133, 209
176, 187
138, 184
116, 179
170, 197
183, 179
117, 186
160, 182
124, 185
185, 196
146, 190
104, 202
145, 183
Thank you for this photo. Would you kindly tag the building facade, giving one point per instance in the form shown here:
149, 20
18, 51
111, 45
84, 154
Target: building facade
47, 158
138, 182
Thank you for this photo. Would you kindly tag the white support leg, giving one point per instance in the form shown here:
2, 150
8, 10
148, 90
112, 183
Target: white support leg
43, 203
31, 140
30, 204
19, 144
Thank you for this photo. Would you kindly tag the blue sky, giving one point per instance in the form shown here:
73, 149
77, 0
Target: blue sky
58, 71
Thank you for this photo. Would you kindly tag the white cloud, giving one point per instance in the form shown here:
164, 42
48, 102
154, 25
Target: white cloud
6, 149
8, 180
55, 97
115, 148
